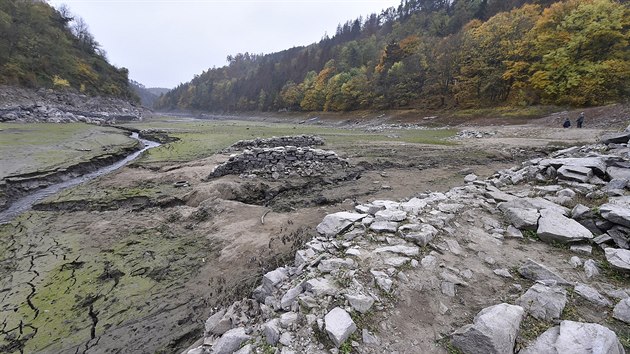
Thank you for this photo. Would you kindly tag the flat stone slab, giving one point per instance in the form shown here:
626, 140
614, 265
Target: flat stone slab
596, 163
591, 295
399, 249
555, 227
333, 224
420, 234
618, 258
522, 218
390, 215
575, 173
618, 173
359, 302
493, 331
538, 272
339, 325
615, 138
384, 226
576, 337
619, 214
533, 203
544, 302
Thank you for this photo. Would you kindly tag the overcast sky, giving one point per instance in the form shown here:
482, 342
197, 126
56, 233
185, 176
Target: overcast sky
166, 42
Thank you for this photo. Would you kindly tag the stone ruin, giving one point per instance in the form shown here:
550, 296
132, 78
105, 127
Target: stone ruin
282, 162
293, 140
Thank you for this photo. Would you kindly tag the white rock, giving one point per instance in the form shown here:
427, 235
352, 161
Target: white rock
320, 287
399, 249
591, 295
336, 223
619, 214
384, 226
590, 268
230, 341
339, 325
622, 310
470, 178
218, 323
522, 218
288, 320
493, 331
553, 226
413, 206
538, 272
582, 249
544, 302
503, 273
390, 215
575, 261
359, 302
333, 264
513, 232
576, 338
290, 297
421, 234
618, 258
271, 330
274, 278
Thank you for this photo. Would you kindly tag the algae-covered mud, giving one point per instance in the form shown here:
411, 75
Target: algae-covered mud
133, 262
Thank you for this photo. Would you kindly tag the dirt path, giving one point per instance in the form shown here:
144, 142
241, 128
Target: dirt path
132, 263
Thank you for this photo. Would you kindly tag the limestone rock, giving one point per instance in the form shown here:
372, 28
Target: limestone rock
493, 331
421, 234
320, 286
622, 310
230, 341
399, 249
618, 258
339, 325
538, 272
333, 224
271, 330
513, 232
619, 214
590, 268
576, 338
333, 264
384, 226
544, 302
390, 215
575, 173
595, 163
272, 279
556, 227
522, 218
217, 324
615, 138
580, 212
591, 295
359, 302
413, 206
290, 297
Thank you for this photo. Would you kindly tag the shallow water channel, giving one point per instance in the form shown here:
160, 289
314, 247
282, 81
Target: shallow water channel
24, 204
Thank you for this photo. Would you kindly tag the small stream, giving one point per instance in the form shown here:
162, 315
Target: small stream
25, 203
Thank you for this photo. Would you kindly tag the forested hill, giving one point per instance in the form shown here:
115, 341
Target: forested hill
43, 47
435, 54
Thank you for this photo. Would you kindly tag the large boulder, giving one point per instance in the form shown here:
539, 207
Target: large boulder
575, 173
591, 295
494, 331
333, 224
576, 338
522, 218
339, 325
616, 138
553, 226
543, 302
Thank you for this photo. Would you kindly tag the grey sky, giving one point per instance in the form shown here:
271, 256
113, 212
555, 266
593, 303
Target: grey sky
166, 42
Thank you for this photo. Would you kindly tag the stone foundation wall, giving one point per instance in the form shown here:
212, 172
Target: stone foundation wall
294, 140
279, 162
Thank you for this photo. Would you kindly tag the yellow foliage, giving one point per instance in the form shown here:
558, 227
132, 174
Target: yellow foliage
59, 82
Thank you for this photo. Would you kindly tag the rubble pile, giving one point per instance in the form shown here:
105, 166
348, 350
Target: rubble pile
292, 140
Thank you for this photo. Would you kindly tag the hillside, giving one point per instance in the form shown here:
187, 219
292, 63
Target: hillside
434, 54
44, 47
147, 95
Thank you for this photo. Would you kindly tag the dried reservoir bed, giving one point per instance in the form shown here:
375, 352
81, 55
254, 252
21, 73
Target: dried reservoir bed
135, 261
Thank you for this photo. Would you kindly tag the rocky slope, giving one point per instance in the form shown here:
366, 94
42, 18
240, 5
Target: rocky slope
25, 105
533, 259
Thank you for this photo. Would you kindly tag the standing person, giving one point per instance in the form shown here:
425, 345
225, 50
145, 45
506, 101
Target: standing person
580, 120
567, 123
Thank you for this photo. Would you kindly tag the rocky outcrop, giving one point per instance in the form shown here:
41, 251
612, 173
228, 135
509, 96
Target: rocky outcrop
25, 105
282, 162
359, 260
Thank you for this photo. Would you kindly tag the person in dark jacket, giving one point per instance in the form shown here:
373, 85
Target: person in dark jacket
580, 120
567, 123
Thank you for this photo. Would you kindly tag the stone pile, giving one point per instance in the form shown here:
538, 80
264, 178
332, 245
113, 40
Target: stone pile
472, 134
361, 259
281, 162
24, 105
292, 140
